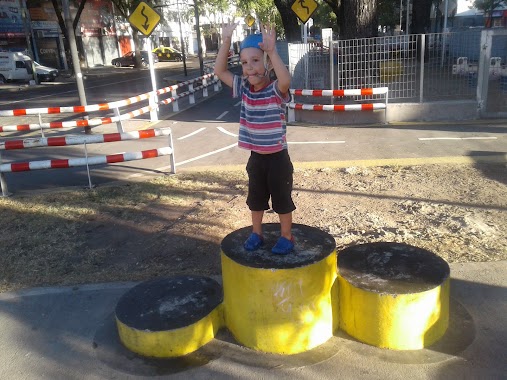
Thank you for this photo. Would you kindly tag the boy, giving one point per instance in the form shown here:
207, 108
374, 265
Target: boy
262, 130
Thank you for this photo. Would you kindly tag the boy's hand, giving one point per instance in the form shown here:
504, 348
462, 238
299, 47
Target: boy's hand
228, 30
268, 43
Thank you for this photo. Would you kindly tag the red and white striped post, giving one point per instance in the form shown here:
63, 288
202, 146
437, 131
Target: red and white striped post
340, 107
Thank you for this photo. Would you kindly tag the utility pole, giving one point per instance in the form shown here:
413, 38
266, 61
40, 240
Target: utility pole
75, 58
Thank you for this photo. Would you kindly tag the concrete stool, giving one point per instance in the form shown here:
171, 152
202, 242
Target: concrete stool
393, 295
279, 303
170, 317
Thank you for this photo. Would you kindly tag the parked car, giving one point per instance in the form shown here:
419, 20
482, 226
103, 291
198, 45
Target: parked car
165, 53
15, 66
44, 73
129, 59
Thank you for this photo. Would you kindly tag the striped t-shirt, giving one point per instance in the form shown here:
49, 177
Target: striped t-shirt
262, 126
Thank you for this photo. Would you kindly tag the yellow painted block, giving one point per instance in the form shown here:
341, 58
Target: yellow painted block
284, 311
390, 70
396, 321
171, 343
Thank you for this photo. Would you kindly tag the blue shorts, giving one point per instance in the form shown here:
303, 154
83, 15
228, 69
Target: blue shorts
270, 175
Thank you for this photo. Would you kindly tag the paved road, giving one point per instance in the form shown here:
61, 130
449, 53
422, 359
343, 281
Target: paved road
69, 333
206, 135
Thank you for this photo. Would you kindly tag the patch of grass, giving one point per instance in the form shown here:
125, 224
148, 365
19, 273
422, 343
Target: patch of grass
45, 237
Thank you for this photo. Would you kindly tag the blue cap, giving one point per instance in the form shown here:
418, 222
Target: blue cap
251, 41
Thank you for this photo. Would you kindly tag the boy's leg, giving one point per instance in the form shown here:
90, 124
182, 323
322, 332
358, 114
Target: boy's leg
257, 222
284, 244
286, 225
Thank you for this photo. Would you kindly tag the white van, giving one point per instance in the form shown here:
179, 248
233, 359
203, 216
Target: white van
15, 66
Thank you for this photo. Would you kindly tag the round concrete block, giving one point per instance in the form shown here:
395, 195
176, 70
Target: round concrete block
170, 317
393, 295
279, 303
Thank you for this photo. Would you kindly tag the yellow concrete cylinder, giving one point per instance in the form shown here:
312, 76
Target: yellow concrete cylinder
279, 304
393, 295
170, 317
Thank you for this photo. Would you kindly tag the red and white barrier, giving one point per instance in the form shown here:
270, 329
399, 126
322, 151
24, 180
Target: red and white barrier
99, 107
85, 161
292, 106
337, 107
73, 162
106, 106
337, 93
77, 123
76, 109
91, 139
78, 140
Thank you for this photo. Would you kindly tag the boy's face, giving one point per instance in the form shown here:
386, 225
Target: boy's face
252, 61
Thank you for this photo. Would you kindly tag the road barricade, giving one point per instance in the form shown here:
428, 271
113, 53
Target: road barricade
86, 160
189, 88
361, 94
153, 97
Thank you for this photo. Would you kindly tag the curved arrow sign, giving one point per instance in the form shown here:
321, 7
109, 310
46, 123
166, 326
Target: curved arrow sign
144, 18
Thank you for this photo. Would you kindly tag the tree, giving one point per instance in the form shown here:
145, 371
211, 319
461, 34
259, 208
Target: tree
281, 15
360, 19
388, 13
421, 13
324, 17
289, 20
487, 6
125, 7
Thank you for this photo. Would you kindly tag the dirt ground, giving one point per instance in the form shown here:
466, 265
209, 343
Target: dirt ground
175, 224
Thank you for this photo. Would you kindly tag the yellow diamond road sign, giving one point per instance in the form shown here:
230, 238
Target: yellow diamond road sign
304, 9
144, 18
249, 20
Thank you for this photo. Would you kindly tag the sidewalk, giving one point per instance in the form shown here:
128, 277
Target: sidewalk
69, 333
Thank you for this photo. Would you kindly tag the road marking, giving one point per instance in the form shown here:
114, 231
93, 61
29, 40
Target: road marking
456, 138
191, 134
315, 142
163, 168
237, 104
223, 130
222, 115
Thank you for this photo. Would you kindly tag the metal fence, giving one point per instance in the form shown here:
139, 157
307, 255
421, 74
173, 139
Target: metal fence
416, 68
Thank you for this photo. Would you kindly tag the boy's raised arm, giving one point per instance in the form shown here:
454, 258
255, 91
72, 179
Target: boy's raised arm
221, 69
269, 46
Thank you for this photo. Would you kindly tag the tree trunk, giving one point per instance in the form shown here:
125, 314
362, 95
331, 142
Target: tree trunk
421, 22
135, 37
359, 19
289, 20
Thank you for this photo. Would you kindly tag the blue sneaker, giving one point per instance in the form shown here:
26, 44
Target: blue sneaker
283, 246
254, 241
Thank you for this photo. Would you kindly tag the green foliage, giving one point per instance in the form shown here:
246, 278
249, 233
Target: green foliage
324, 17
389, 13
264, 10
487, 5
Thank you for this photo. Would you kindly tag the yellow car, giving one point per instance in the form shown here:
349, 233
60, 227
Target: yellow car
165, 53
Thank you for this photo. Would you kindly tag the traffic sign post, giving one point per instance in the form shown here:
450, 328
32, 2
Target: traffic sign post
304, 9
249, 20
144, 18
